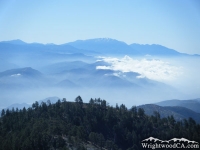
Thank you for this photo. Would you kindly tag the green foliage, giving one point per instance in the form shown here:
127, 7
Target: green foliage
64, 125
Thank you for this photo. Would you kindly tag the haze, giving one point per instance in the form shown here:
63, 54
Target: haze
32, 72
132, 52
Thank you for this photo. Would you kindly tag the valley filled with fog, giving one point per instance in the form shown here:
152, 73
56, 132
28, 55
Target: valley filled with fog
112, 70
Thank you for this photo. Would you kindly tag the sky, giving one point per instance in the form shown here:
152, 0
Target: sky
174, 24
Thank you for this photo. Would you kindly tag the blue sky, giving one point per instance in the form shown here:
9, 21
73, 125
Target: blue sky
174, 24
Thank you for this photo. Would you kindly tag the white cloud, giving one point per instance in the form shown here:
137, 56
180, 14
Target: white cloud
16, 75
103, 67
151, 68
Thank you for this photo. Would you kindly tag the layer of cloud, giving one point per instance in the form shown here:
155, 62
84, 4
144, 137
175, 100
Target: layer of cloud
155, 69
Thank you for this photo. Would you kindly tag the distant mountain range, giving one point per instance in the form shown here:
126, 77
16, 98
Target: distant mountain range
53, 100
75, 74
105, 46
17, 42
193, 104
98, 46
155, 49
70, 65
26, 67
180, 109
114, 47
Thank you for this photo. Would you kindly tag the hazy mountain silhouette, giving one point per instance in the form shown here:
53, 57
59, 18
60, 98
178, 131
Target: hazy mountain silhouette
109, 81
94, 47
67, 84
22, 78
193, 104
27, 72
63, 66
32, 52
75, 64
53, 100
6, 65
17, 41
22, 105
105, 46
19, 106
155, 50
178, 112
115, 47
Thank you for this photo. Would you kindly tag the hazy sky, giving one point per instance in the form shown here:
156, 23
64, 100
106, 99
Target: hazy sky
172, 23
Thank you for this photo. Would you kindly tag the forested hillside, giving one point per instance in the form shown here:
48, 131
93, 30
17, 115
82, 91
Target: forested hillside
79, 125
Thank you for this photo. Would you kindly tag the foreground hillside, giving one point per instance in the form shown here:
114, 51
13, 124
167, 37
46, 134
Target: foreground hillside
95, 125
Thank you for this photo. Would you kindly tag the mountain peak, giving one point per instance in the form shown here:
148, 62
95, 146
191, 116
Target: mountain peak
98, 41
106, 40
104, 46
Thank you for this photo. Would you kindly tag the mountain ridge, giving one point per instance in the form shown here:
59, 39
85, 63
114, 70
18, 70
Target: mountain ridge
16, 41
27, 71
193, 104
179, 113
109, 46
